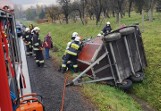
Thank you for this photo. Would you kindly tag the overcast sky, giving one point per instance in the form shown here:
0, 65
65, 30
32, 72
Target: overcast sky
28, 3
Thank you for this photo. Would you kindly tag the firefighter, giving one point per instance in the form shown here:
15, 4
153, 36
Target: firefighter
68, 64
37, 47
107, 29
72, 55
74, 35
27, 38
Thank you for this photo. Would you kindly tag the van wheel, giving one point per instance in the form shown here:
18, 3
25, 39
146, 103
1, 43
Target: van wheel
127, 31
112, 37
125, 85
138, 77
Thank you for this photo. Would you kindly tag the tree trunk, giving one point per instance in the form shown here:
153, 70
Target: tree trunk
107, 14
117, 17
97, 18
130, 6
66, 19
59, 19
113, 13
52, 20
142, 19
80, 15
75, 19
104, 12
150, 16
93, 17
90, 16
82, 20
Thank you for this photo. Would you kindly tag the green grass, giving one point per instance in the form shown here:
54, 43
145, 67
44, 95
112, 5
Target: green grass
107, 98
149, 90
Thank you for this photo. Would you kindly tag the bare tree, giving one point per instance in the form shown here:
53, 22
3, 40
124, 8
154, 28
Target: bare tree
106, 8
130, 7
78, 8
90, 11
96, 6
65, 7
53, 12
151, 4
118, 7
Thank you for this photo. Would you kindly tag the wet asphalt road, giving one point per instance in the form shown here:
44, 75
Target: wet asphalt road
48, 82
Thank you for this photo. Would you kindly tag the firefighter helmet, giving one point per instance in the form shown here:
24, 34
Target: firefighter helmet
27, 29
36, 29
108, 23
99, 35
77, 38
75, 34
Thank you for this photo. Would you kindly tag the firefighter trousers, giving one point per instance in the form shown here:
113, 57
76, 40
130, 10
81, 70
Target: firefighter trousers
73, 60
29, 50
39, 58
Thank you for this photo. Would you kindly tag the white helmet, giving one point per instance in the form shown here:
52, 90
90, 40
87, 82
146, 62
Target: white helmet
27, 29
77, 38
36, 29
108, 23
99, 35
75, 34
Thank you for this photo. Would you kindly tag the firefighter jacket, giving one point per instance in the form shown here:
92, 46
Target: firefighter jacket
36, 42
68, 44
106, 29
27, 38
74, 48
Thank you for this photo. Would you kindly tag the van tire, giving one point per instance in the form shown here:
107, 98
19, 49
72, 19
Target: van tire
127, 31
138, 77
112, 37
125, 85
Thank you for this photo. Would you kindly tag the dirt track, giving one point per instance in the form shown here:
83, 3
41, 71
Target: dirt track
48, 82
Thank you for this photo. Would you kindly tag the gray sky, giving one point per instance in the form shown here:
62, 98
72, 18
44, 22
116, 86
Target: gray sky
28, 3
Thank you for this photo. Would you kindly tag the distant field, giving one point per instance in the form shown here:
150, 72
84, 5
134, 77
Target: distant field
149, 89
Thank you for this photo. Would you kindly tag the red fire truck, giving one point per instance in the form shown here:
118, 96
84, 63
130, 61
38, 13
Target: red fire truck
12, 53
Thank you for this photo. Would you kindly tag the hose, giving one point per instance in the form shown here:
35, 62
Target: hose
64, 92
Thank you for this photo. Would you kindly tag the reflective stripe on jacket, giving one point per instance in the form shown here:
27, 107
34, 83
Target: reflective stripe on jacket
36, 42
73, 48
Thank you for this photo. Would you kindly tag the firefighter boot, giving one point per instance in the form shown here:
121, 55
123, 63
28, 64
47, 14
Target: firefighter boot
76, 70
59, 70
63, 70
38, 64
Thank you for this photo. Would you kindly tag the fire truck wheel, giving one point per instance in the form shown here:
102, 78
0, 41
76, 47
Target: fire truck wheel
125, 85
112, 37
127, 31
138, 77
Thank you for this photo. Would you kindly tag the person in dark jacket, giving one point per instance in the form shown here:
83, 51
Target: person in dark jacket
37, 47
72, 55
27, 38
47, 45
107, 29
